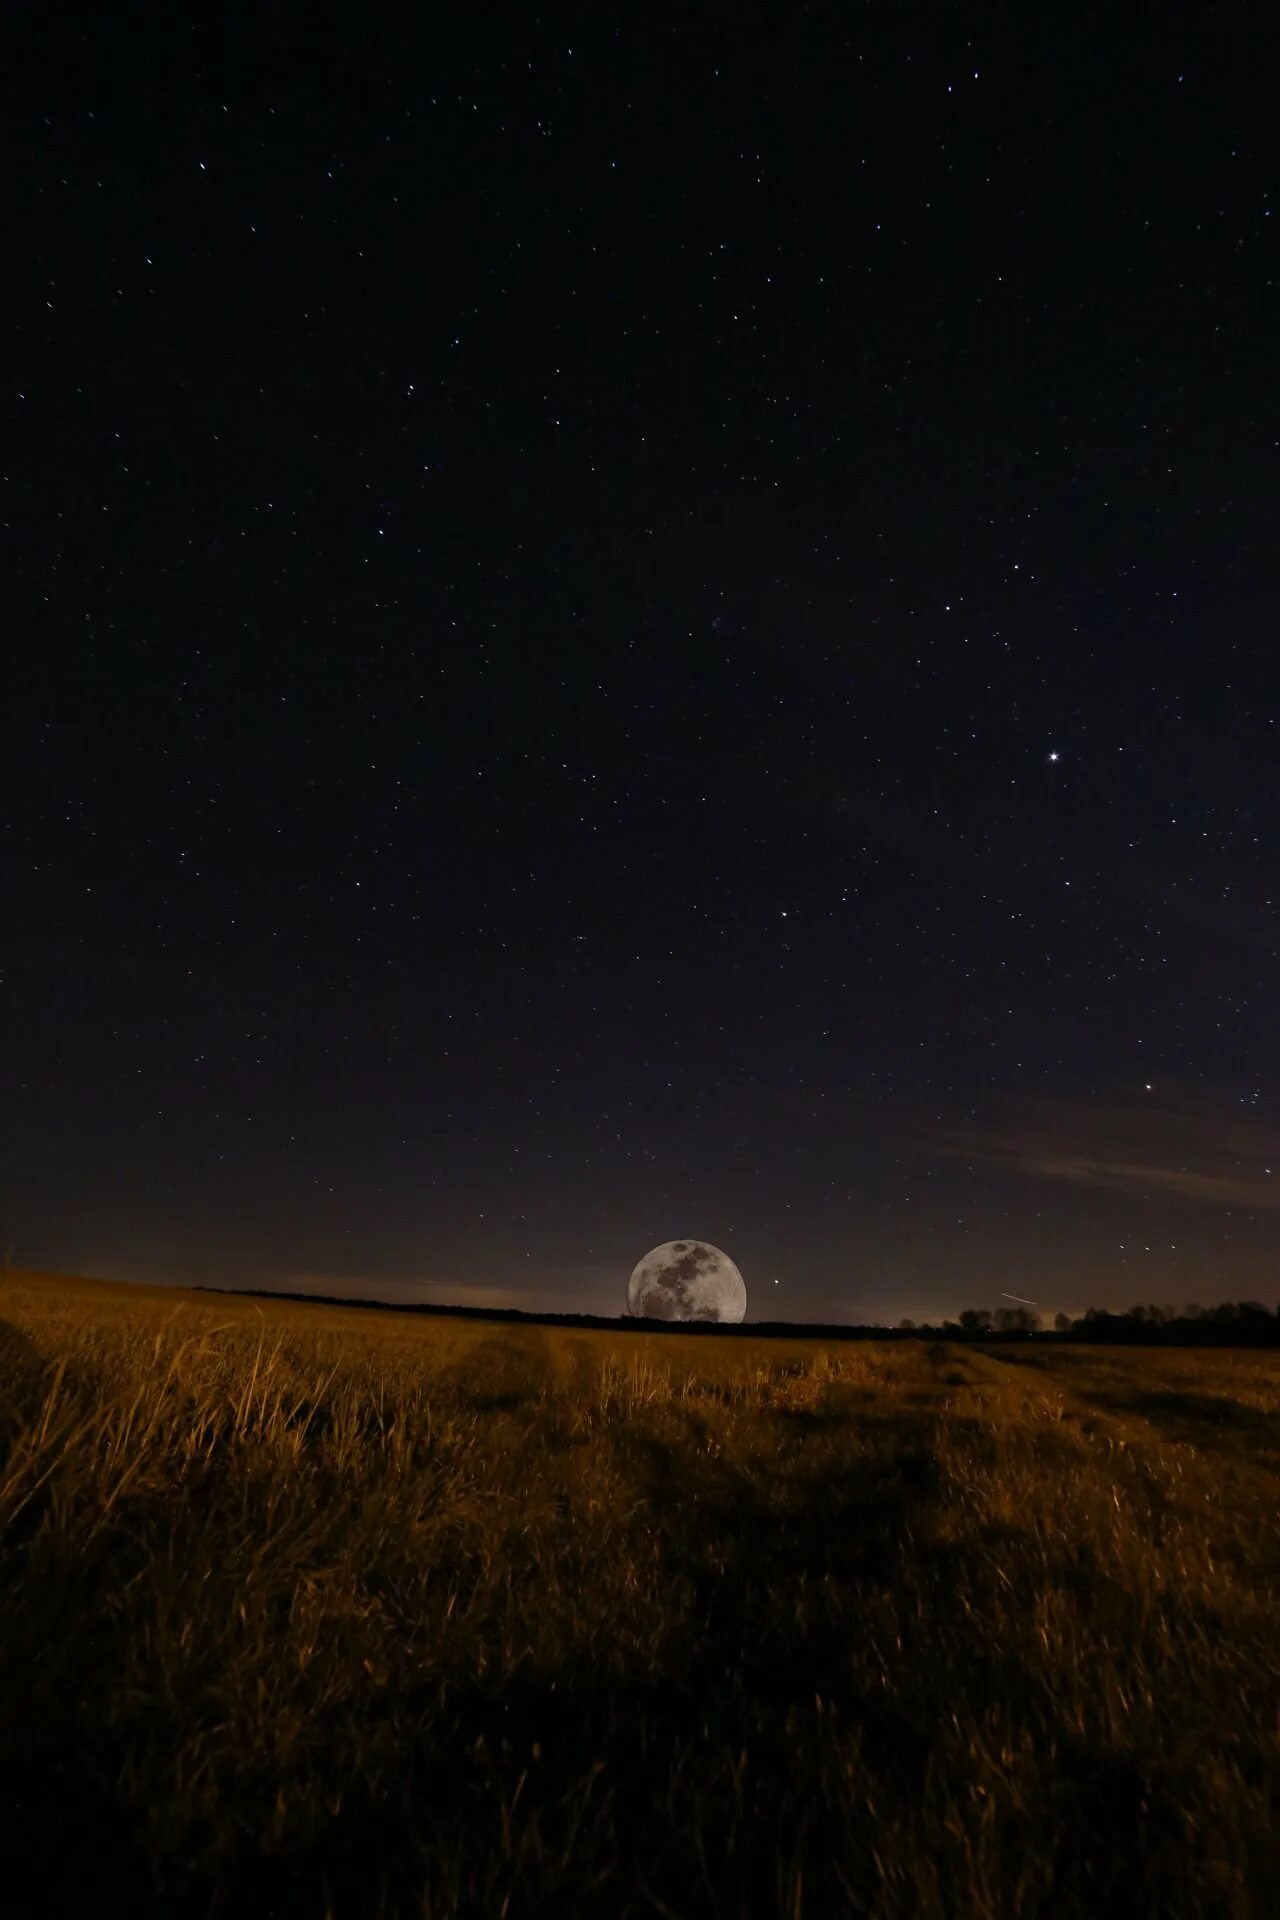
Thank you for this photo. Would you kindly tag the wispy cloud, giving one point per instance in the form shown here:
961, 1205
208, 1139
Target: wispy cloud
1153, 1145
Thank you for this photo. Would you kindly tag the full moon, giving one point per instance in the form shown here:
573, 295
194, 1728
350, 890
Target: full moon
687, 1280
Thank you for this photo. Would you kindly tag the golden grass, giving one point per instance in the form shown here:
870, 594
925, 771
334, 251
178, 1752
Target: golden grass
321, 1611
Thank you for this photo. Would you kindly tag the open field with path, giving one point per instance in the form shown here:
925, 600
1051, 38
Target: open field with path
319, 1611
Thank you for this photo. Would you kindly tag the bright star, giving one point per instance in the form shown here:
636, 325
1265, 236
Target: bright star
1054, 756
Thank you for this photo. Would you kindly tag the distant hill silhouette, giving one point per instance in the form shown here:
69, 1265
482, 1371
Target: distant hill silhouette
1246, 1326
623, 1322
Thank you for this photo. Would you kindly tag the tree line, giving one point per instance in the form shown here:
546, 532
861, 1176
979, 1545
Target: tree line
1237, 1322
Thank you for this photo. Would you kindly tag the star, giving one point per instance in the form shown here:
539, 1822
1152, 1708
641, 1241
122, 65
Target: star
1054, 756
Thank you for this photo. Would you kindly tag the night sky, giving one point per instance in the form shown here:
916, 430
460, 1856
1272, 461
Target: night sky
620, 630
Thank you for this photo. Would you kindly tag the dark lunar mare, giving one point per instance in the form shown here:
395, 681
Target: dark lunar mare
672, 1284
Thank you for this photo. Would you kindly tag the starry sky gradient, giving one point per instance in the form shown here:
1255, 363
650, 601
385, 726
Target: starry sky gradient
627, 630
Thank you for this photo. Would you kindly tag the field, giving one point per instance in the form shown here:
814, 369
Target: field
309, 1611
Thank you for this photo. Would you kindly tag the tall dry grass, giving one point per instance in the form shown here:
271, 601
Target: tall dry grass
325, 1614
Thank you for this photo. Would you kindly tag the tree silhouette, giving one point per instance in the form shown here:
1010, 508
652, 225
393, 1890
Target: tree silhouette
1231, 1323
976, 1320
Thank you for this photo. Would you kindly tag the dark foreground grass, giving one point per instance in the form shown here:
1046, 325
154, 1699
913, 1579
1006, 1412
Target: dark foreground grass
315, 1613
